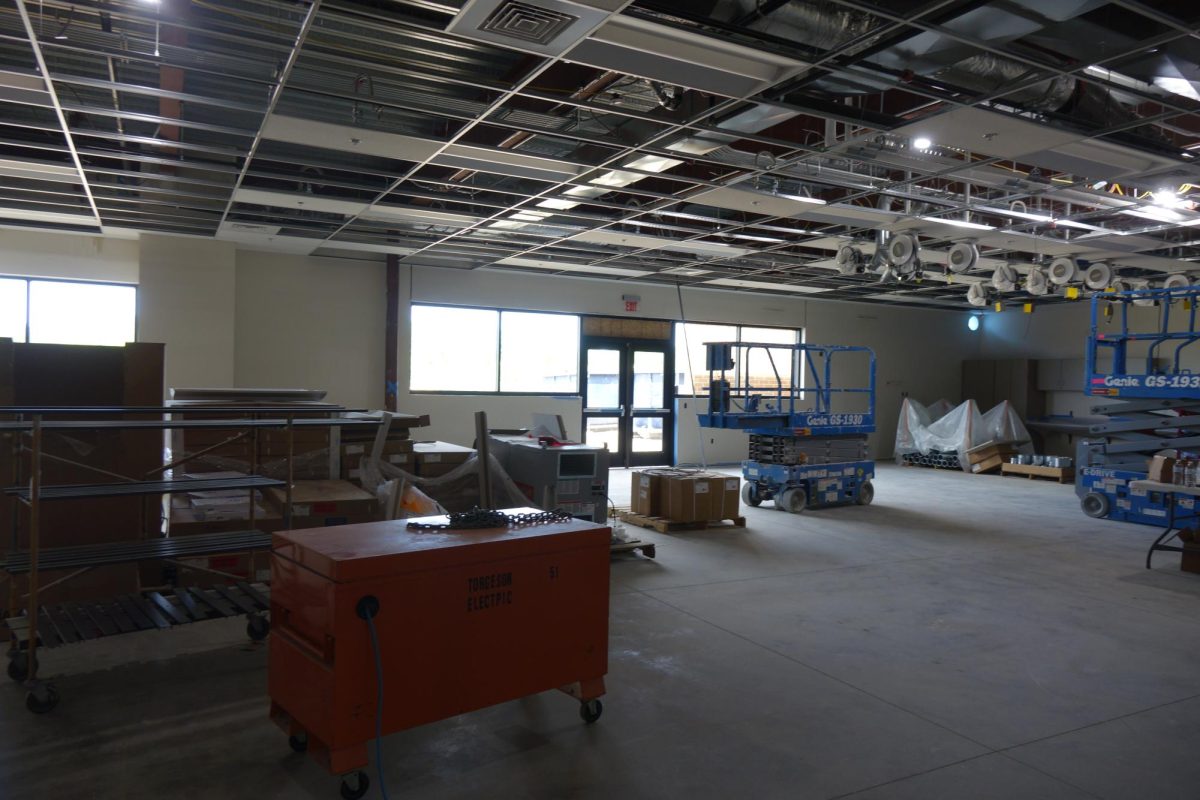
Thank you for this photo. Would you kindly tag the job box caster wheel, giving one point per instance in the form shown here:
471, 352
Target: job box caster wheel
298, 742
355, 786
591, 711
258, 628
18, 666
42, 700
750, 495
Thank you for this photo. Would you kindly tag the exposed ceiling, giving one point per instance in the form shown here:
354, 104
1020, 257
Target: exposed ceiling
728, 143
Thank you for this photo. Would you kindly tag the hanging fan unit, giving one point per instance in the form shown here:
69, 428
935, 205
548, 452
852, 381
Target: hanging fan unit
1004, 279
1036, 283
1141, 286
903, 250
1176, 281
1063, 271
962, 257
849, 260
977, 295
1098, 276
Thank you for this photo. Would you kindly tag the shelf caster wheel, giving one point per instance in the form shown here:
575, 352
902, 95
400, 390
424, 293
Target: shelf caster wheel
591, 711
42, 700
18, 667
750, 495
355, 785
298, 742
258, 628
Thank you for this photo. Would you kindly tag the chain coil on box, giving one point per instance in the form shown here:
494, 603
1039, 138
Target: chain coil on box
478, 518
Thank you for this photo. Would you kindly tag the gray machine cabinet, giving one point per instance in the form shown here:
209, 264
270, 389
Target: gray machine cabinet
571, 478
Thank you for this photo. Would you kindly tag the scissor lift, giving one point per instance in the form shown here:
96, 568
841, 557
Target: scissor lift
808, 437
1159, 405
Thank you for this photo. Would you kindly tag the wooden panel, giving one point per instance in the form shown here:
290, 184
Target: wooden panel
623, 328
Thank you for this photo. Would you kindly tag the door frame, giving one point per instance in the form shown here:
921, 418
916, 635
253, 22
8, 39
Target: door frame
625, 411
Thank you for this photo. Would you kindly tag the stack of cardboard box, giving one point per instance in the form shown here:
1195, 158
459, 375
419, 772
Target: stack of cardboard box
357, 445
988, 456
686, 497
435, 459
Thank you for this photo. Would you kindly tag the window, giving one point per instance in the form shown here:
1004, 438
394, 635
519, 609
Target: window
539, 353
483, 350
763, 364
65, 312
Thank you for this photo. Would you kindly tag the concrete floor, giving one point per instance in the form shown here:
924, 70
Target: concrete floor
964, 637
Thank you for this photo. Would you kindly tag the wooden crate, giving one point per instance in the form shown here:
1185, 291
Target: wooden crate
1060, 474
664, 525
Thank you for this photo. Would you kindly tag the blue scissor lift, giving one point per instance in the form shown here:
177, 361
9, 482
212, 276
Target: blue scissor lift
1159, 405
808, 443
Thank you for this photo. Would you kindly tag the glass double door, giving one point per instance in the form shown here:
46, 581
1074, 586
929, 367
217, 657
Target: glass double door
626, 402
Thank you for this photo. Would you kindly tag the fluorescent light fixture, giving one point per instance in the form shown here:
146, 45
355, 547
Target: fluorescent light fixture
960, 223
800, 198
1009, 212
1098, 185
922, 143
558, 205
1155, 213
1179, 86
1083, 226
764, 285
567, 266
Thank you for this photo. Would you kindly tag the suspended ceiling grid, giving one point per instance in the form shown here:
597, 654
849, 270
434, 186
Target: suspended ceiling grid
727, 144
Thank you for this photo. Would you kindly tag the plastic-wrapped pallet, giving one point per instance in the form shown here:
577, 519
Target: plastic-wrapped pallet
958, 430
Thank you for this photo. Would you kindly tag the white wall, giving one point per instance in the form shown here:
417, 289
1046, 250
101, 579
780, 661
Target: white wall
919, 351
311, 322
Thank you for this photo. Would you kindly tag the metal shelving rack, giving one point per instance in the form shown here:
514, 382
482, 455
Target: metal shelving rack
24, 632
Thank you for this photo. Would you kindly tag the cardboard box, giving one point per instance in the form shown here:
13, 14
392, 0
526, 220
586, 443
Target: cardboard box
989, 465
990, 451
326, 500
1162, 469
1190, 560
434, 459
731, 494
648, 494
688, 498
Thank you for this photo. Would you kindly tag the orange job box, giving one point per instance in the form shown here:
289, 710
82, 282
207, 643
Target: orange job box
466, 619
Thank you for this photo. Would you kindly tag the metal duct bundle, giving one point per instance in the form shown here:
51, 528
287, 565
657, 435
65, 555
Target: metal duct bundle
795, 451
936, 459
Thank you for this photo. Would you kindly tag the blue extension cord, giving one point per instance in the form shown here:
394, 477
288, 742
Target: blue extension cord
378, 707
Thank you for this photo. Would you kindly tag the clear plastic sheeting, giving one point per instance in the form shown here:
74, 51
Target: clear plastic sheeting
922, 429
457, 490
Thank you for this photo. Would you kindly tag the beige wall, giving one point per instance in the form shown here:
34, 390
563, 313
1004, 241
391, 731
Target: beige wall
46, 254
311, 322
186, 301
918, 351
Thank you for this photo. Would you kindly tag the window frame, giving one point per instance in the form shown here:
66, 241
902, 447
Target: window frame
499, 351
800, 338
30, 279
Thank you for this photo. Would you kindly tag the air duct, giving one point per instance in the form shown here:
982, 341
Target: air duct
1036, 283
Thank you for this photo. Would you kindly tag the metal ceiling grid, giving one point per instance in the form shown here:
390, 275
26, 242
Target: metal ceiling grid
730, 143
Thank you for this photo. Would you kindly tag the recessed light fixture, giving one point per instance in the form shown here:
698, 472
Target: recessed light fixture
922, 143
